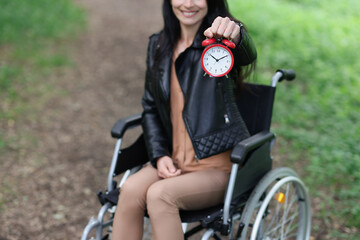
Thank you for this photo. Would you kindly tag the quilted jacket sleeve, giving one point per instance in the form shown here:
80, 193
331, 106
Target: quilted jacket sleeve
156, 139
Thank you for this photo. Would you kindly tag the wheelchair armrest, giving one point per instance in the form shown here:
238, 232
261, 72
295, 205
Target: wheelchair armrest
125, 123
241, 150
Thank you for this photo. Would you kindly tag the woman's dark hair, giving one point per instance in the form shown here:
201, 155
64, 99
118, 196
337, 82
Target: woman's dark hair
171, 32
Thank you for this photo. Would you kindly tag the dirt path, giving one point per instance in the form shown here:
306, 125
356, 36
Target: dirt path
54, 181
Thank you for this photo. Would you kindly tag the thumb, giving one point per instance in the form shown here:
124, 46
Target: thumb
171, 168
208, 33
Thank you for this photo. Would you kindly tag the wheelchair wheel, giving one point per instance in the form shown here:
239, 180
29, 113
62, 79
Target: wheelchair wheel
278, 208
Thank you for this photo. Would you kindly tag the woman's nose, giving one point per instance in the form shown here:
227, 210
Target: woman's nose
188, 3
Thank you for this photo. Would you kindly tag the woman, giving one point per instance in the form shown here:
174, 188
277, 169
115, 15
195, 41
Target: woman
190, 120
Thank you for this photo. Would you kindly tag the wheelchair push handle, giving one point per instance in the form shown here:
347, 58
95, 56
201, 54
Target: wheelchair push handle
281, 74
287, 74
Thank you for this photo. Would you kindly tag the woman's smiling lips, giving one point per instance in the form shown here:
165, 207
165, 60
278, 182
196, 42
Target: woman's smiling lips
189, 14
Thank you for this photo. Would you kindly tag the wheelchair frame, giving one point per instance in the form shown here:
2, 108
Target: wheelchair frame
252, 212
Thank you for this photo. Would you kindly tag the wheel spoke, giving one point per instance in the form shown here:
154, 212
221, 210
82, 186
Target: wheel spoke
282, 215
279, 226
289, 228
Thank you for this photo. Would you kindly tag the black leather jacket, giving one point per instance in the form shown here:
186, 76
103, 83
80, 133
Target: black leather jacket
210, 113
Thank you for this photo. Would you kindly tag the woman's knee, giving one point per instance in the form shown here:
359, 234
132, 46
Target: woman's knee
153, 193
159, 198
130, 192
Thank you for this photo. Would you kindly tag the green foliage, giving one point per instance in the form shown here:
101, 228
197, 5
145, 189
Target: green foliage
31, 20
319, 113
29, 30
6, 74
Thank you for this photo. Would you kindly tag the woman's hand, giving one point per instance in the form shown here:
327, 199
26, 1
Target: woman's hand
166, 168
225, 28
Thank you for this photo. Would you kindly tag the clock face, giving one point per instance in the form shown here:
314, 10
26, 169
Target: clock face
217, 60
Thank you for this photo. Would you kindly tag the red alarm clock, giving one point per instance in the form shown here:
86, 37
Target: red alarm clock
217, 59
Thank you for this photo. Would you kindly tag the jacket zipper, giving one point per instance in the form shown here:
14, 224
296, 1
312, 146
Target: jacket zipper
226, 116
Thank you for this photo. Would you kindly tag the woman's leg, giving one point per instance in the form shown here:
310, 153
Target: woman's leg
189, 191
129, 215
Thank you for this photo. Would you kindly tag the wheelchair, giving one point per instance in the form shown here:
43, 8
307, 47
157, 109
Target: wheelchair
260, 202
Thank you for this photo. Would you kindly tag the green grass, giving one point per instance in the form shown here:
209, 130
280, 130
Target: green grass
31, 20
33, 34
318, 114
29, 31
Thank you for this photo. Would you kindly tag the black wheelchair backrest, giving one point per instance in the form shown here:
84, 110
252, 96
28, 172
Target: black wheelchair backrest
132, 156
256, 104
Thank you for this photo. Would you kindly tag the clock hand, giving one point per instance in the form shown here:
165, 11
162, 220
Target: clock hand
222, 57
214, 58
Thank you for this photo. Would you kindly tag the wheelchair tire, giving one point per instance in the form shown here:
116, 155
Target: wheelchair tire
278, 208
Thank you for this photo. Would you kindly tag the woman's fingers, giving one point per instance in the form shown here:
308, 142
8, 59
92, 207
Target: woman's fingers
235, 34
223, 28
172, 171
215, 25
166, 168
208, 33
220, 26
